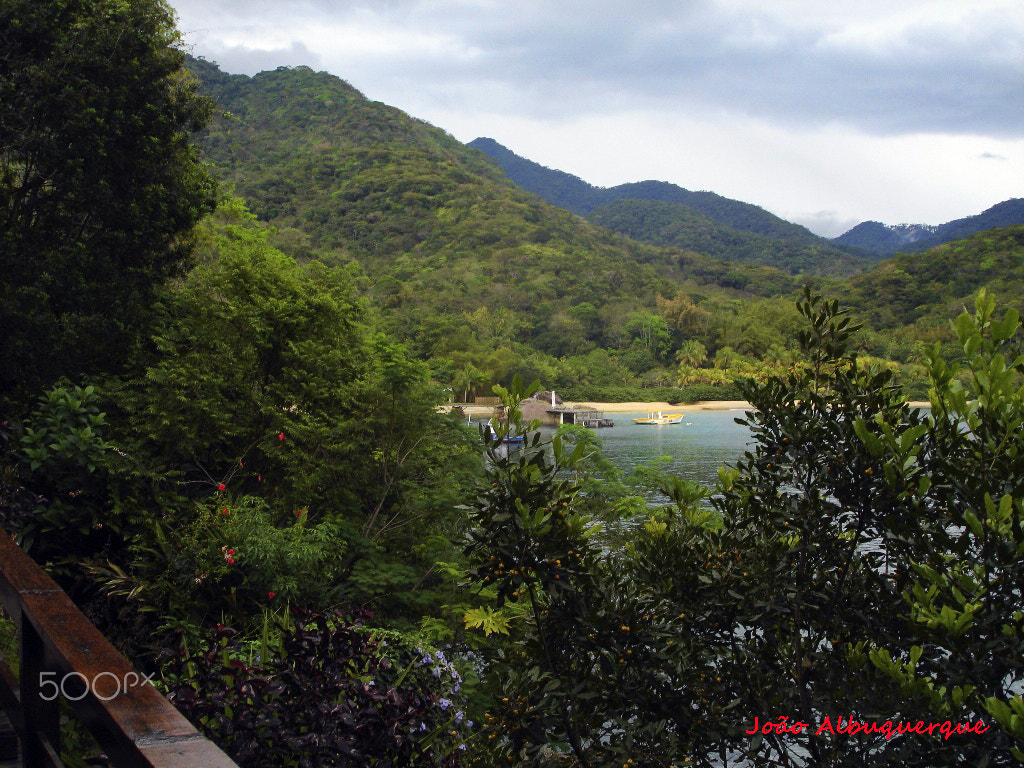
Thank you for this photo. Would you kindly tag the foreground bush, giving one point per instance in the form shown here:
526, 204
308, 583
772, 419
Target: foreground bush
333, 695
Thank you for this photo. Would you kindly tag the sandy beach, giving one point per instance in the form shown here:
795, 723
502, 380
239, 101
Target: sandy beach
700, 405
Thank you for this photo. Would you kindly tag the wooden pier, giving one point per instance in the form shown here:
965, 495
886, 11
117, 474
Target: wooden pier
584, 418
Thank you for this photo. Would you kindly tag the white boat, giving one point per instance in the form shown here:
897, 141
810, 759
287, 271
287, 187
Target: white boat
660, 418
509, 438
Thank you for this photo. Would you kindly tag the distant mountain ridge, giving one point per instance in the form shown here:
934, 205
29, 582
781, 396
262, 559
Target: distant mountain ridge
576, 195
887, 239
880, 238
721, 227
666, 214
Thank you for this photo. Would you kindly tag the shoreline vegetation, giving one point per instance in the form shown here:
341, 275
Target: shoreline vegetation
472, 409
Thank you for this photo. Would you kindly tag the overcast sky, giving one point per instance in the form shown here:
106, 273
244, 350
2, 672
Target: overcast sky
825, 112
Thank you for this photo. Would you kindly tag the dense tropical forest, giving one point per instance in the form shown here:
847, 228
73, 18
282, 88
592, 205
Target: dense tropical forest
235, 312
482, 280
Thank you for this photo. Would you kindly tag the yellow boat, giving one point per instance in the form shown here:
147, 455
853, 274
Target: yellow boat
660, 418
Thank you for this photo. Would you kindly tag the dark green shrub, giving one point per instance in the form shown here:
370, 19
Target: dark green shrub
337, 695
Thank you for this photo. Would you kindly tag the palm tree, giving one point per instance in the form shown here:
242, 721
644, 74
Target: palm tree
692, 353
467, 379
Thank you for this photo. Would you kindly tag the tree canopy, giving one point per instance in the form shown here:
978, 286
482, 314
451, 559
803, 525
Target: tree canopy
861, 561
98, 181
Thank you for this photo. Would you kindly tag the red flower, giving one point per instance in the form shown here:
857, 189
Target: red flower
270, 595
222, 487
231, 561
231, 551
224, 511
298, 513
280, 437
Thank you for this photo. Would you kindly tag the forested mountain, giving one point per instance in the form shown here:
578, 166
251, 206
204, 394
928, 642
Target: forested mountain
934, 285
876, 237
434, 230
483, 279
881, 238
701, 221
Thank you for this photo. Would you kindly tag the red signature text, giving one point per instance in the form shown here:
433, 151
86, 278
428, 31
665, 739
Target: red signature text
889, 728
781, 726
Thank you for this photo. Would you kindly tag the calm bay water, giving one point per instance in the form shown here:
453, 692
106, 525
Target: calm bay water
695, 448
705, 441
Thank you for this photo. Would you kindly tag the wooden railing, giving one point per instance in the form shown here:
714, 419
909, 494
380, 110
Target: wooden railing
63, 655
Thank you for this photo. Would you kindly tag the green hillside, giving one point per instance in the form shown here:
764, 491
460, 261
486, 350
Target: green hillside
1008, 213
661, 213
458, 259
936, 284
338, 174
483, 279
907, 302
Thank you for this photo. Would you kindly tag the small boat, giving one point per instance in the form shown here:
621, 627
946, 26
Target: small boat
660, 418
509, 438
